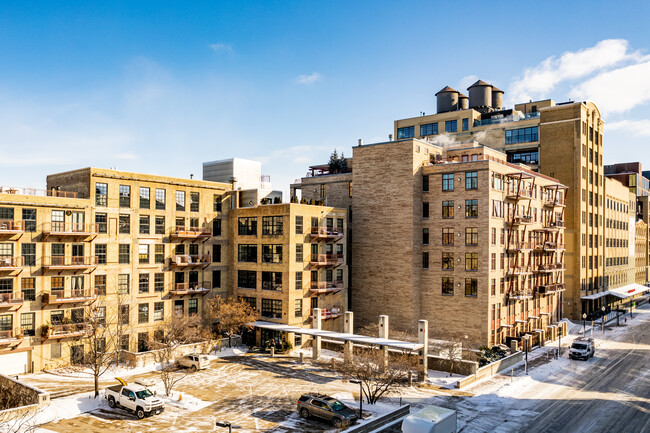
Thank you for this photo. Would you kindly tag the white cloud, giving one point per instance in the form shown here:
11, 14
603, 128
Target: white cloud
220, 47
638, 128
617, 91
308, 79
465, 82
540, 80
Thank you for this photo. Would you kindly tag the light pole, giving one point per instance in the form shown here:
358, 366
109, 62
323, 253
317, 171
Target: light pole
584, 324
526, 353
225, 424
618, 313
355, 381
603, 309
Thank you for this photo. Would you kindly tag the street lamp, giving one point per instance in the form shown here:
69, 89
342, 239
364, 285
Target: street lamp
584, 324
355, 381
603, 309
225, 424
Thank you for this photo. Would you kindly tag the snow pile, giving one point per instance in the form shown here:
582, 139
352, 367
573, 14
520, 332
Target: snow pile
226, 352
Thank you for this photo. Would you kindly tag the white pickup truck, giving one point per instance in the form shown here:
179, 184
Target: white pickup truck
135, 397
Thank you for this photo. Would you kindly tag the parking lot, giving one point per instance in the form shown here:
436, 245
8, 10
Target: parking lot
253, 392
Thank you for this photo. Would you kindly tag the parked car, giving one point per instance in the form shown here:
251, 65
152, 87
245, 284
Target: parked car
136, 398
582, 348
327, 408
194, 362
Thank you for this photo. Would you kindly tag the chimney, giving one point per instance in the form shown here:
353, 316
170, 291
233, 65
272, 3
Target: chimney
361, 142
390, 137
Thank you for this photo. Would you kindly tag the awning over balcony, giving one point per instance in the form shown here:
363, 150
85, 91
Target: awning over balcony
627, 291
355, 338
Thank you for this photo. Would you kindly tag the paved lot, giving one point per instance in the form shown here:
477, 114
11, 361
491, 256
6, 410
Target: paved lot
253, 392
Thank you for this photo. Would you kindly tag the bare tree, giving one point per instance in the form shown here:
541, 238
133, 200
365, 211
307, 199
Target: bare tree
169, 335
451, 350
378, 380
229, 314
122, 325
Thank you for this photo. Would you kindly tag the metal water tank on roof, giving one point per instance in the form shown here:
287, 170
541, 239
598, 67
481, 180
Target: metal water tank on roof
497, 98
480, 94
463, 102
447, 99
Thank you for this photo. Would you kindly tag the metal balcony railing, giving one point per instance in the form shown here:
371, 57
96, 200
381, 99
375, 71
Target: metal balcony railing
67, 331
74, 296
191, 288
326, 232
326, 259
11, 337
74, 262
11, 263
322, 287
69, 229
191, 232
8, 300
191, 260
11, 226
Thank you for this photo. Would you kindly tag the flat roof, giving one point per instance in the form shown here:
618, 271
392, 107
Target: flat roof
355, 338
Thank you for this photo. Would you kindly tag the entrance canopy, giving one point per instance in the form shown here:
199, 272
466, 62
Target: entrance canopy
629, 290
355, 338
594, 296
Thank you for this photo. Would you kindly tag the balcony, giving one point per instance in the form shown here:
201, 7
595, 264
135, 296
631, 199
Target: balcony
62, 263
325, 287
73, 330
181, 289
519, 270
326, 260
193, 233
79, 231
189, 261
327, 314
326, 233
549, 246
513, 246
9, 228
10, 264
521, 294
547, 201
11, 338
8, 300
519, 220
75, 296
553, 225
514, 193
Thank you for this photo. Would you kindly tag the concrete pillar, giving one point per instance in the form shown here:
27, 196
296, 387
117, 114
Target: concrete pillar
423, 338
383, 333
316, 324
291, 339
348, 328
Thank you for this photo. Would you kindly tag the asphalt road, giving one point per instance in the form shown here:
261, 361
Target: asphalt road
609, 393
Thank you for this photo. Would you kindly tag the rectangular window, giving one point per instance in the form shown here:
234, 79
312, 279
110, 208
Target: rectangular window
425, 236
425, 260
160, 199
448, 209
465, 124
447, 286
471, 235
159, 251
159, 282
471, 261
272, 308
101, 194
471, 208
144, 198
180, 201
299, 280
425, 183
471, 287
192, 307
271, 280
451, 126
160, 225
299, 225
100, 285
28, 287
247, 226
100, 253
448, 182
216, 253
447, 236
195, 199
125, 196
425, 209
471, 180
298, 308
428, 129
144, 224
247, 279
143, 313
272, 225
522, 135
101, 222
299, 251
216, 203
123, 284
406, 132
27, 324
247, 253
124, 254
271, 253
143, 283
29, 254
448, 261
158, 311
216, 227
216, 279
29, 220
125, 224
494, 236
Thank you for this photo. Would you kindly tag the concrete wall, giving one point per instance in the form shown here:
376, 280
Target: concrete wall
32, 395
491, 369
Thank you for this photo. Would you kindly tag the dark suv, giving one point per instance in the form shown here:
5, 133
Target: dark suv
327, 408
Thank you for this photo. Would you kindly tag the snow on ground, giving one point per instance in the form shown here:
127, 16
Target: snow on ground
442, 379
225, 352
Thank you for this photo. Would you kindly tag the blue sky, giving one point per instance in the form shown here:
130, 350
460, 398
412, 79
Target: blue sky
159, 87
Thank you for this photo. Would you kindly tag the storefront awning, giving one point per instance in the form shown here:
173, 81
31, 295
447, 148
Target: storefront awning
594, 296
629, 290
